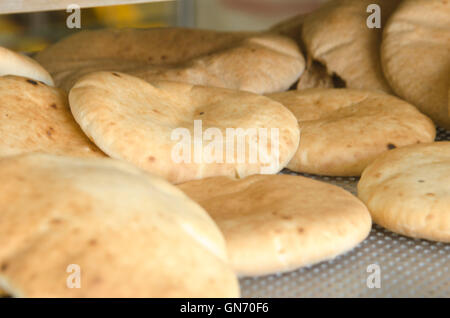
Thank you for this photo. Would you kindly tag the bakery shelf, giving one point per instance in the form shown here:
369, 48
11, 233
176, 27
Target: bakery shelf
23, 6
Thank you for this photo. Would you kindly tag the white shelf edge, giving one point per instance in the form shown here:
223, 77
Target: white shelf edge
25, 6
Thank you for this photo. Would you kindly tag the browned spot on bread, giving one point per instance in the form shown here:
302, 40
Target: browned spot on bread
431, 195
151, 159
55, 221
92, 242
201, 113
300, 230
391, 146
115, 74
54, 106
156, 111
163, 57
4, 267
286, 217
50, 131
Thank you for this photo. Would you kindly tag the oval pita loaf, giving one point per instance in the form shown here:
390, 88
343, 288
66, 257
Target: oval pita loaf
416, 56
408, 191
36, 117
131, 234
279, 223
337, 36
343, 130
12, 63
258, 63
133, 120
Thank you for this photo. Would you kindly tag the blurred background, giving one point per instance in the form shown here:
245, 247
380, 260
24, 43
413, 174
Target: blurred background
30, 32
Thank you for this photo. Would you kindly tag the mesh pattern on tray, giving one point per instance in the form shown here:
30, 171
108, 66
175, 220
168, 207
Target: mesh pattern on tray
408, 267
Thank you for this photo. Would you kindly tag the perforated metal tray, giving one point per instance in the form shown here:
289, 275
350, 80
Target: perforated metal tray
408, 267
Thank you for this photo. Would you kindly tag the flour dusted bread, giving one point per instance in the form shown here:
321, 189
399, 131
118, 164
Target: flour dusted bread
408, 191
416, 56
36, 117
343, 130
131, 234
145, 124
259, 63
12, 63
337, 36
279, 223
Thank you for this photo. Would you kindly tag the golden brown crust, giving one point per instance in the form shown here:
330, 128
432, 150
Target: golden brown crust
133, 120
259, 63
279, 223
337, 36
407, 191
416, 56
12, 63
131, 234
343, 130
36, 117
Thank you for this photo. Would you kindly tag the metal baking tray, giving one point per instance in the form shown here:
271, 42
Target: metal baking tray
407, 267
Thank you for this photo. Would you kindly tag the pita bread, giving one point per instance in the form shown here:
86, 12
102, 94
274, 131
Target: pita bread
131, 234
407, 191
36, 117
291, 28
315, 74
12, 63
143, 123
416, 56
337, 36
279, 223
158, 46
343, 130
258, 63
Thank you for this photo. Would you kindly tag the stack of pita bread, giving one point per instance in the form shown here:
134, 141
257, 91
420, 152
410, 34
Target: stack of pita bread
95, 131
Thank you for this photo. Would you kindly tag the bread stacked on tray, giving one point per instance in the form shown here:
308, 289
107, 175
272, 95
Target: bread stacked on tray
94, 163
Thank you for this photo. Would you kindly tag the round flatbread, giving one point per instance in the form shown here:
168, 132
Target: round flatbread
408, 191
182, 132
291, 28
126, 233
279, 223
12, 63
36, 117
343, 130
315, 74
258, 63
159, 46
337, 35
416, 56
